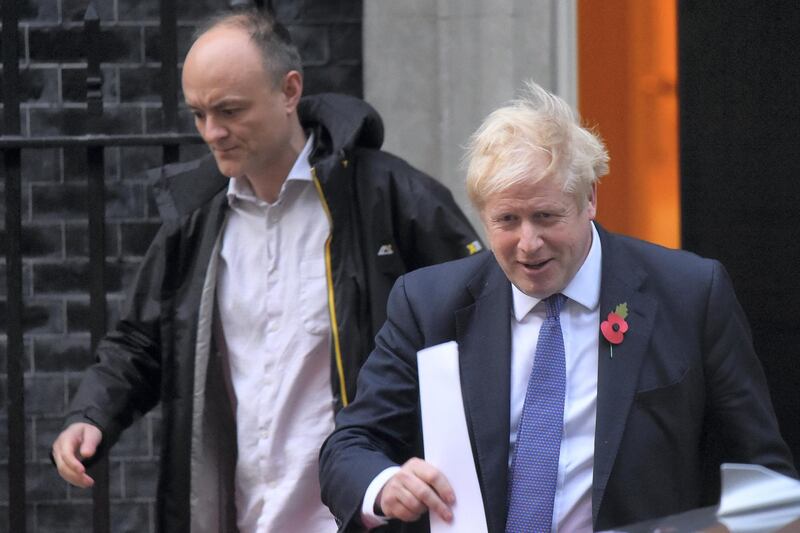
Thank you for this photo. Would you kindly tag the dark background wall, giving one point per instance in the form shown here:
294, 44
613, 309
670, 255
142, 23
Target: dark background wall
55, 242
739, 72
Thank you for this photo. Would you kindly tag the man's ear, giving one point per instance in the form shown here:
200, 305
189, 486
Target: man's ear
292, 88
591, 203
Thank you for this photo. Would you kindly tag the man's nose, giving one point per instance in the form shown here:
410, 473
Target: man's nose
530, 239
213, 130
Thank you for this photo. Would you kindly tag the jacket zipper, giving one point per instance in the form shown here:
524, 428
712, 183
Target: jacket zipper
337, 350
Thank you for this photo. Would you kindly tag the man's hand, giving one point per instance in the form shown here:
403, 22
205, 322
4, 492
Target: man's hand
417, 487
79, 441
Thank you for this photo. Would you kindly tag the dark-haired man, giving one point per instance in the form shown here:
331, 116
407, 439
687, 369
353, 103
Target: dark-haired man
258, 299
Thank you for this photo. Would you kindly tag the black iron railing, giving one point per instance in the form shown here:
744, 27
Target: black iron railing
12, 144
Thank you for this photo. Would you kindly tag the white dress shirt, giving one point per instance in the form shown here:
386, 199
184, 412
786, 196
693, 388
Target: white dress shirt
580, 323
273, 311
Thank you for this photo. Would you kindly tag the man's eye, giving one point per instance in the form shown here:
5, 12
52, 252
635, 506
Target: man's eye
229, 112
197, 115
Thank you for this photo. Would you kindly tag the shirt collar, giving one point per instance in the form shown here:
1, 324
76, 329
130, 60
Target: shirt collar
239, 189
584, 287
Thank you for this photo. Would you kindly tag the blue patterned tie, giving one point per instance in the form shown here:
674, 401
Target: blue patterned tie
534, 469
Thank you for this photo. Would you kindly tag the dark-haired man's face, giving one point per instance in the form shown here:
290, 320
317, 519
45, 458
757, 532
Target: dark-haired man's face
238, 111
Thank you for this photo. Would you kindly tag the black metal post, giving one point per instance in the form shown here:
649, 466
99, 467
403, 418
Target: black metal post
97, 252
15, 348
169, 74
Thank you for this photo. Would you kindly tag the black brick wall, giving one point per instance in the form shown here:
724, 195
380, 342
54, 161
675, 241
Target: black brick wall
55, 241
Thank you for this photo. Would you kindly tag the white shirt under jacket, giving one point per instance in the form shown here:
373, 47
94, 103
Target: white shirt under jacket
580, 323
273, 309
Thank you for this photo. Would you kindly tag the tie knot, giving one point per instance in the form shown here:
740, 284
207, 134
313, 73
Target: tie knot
554, 304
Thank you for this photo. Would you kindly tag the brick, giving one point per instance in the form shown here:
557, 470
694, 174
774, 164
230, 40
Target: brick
141, 479
73, 84
45, 241
140, 84
137, 10
318, 10
27, 352
69, 201
38, 317
311, 42
57, 43
134, 442
37, 10
135, 161
155, 121
44, 395
72, 121
125, 200
62, 353
79, 317
195, 10
66, 517
71, 277
340, 78
20, 48
76, 240
57, 202
75, 10
42, 482
4, 479
76, 166
345, 43
152, 41
38, 85
41, 165
47, 429
116, 481
130, 517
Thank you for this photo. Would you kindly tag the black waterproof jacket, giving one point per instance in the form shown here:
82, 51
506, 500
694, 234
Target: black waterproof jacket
386, 219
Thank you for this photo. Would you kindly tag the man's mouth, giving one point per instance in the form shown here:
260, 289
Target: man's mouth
534, 266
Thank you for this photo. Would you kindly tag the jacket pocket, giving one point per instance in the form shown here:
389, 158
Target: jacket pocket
314, 296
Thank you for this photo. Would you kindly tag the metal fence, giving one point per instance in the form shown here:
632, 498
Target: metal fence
12, 144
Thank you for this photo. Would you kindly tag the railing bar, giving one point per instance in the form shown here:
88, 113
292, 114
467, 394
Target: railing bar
97, 304
15, 347
169, 64
15, 350
55, 141
97, 253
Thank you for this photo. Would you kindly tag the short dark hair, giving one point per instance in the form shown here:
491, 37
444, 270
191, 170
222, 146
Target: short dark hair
279, 54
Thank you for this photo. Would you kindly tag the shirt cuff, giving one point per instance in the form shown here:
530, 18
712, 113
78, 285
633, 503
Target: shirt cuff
368, 516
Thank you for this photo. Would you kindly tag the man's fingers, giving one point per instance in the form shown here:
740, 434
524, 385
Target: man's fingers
69, 448
415, 489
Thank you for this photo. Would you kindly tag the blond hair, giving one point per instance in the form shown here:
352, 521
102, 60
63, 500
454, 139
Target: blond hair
502, 151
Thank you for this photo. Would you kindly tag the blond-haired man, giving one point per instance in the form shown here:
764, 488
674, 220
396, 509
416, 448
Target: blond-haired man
596, 369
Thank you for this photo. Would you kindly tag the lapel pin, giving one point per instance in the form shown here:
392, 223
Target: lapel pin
615, 327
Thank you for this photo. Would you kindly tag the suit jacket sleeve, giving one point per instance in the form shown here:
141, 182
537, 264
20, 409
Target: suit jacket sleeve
380, 428
740, 404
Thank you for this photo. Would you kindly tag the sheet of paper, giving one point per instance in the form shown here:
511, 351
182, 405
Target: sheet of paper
446, 440
748, 488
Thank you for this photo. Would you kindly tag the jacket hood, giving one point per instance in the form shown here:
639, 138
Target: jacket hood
340, 123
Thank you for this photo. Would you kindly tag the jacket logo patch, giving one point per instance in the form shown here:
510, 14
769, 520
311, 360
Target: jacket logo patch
385, 249
474, 247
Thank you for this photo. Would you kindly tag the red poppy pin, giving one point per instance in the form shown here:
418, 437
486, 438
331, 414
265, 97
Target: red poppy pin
615, 327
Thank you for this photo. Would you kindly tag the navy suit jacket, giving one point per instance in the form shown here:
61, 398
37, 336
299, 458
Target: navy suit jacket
683, 392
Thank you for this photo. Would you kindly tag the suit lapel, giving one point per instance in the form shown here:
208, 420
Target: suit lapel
483, 332
618, 375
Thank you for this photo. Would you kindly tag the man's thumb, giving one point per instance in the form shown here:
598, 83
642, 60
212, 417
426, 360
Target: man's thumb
91, 439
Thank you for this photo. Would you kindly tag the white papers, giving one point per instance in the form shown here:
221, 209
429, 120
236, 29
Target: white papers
755, 498
446, 440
